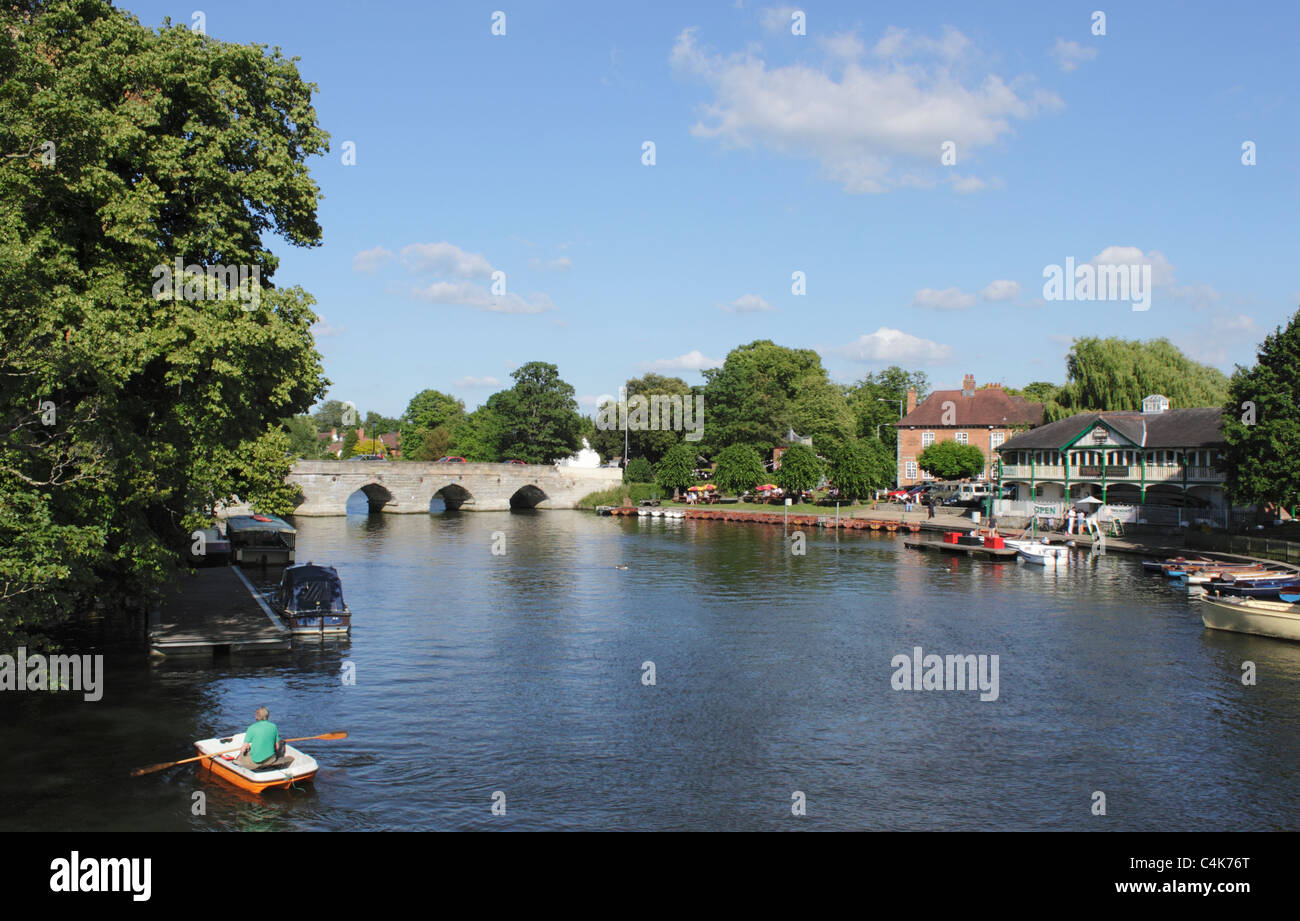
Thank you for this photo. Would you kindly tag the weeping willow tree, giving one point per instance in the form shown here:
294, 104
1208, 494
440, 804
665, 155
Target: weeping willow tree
1115, 374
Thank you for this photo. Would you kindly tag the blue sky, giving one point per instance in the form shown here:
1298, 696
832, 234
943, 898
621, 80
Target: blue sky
775, 153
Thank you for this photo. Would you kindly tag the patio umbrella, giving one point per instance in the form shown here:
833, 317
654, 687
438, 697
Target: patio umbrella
695, 489
1089, 501
708, 486
767, 487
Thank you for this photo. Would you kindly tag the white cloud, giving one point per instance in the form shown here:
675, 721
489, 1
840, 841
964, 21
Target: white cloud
1071, 54
880, 126
947, 299
445, 259
1000, 290
563, 264
901, 43
369, 260
746, 303
893, 345
693, 360
465, 294
474, 383
322, 329
1162, 273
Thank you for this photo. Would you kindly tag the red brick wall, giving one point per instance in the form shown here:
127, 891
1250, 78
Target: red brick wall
910, 446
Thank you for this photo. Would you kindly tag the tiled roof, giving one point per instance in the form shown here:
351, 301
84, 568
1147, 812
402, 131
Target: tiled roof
989, 406
1173, 428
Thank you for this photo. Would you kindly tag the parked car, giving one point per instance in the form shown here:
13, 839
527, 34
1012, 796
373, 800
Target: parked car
451, 459
897, 495
367, 457
516, 461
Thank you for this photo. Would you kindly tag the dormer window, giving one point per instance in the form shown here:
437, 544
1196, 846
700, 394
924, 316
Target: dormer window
1156, 403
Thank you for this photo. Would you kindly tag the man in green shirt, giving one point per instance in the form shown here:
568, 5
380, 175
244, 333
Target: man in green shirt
263, 747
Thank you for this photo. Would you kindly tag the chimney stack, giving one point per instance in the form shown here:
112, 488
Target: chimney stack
911, 400
968, 386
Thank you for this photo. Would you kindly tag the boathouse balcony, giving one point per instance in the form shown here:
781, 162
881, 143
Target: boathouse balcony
1155, 473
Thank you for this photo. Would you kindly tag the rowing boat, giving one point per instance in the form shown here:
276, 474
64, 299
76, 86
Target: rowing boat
302, 769
1277, 619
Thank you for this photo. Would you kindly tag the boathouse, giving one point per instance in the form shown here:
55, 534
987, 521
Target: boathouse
1154, 456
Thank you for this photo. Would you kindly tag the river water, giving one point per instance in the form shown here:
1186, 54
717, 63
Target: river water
523, 674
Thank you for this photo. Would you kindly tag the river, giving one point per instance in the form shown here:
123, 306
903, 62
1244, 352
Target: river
523, 674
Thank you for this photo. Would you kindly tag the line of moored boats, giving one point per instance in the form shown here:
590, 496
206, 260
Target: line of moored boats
1252, 598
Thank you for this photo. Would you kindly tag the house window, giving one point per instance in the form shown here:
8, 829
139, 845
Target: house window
960, 437
927, 439
909, 470
996, 439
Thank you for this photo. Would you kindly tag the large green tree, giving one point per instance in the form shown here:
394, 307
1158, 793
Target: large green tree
652, 444
800, 469
1261, 424
428, 411
949, 460
764, 390
538, 419
676, 469
124, 150
861, 466
1115, 374
877, 399
738, 468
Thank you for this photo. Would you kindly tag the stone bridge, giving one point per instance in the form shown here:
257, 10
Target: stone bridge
410, 486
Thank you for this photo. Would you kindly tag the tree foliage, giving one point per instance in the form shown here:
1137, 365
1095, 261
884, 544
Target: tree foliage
1116, 374
164, 145
1261, 423
428, 411
676, 470
639, 470
651, 444
949, 460
303, 442
764, 390
875, 401
800, 469
738, 468
860, 467
537, 419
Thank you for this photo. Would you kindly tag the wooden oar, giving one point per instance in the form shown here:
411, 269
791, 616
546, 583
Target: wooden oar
326, 737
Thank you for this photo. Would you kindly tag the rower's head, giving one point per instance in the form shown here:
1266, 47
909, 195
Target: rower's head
262, 714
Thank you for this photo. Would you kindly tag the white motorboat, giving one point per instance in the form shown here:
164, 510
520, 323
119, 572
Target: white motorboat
1040, 554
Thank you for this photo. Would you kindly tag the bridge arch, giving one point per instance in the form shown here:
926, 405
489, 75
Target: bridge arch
453, 496
375, 495
528, 496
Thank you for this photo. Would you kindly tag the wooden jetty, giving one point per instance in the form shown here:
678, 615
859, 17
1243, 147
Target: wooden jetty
985, 553
215, 611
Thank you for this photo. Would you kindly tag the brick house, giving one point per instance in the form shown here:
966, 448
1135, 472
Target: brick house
986, 418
